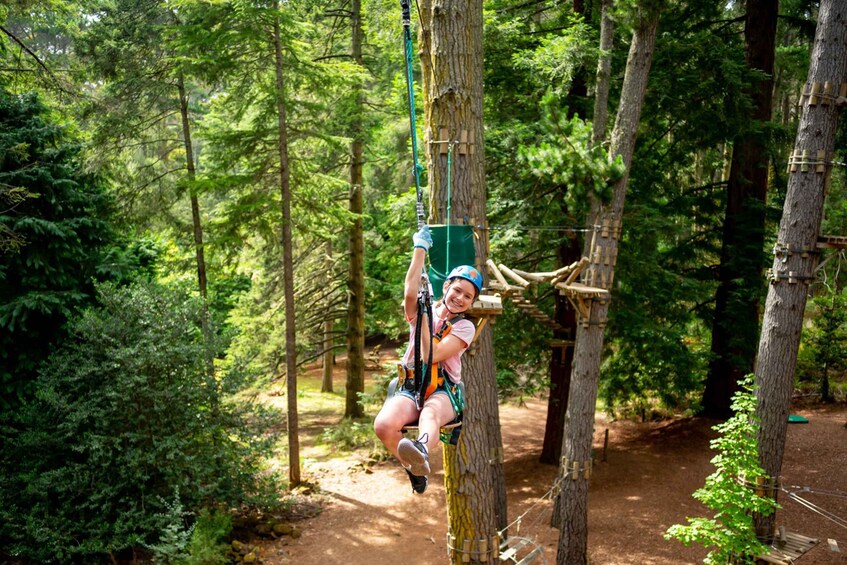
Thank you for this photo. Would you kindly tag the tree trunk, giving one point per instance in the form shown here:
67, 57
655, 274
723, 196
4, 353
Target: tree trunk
287, 266
736, 323
328, 356
604, 73
572, 504
561, 359
561, 363
795, 252
195, 204
198, 227
356, 277
451, 46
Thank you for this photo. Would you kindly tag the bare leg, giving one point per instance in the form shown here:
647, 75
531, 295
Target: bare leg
437, 411
395, 414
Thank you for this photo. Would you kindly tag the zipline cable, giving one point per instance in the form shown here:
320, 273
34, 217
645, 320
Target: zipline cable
817, 509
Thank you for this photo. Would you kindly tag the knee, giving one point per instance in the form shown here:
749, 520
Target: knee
383, 426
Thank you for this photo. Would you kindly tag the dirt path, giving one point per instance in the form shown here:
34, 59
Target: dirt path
643, 487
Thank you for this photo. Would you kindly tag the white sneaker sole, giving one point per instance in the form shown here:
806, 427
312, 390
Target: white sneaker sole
419, 464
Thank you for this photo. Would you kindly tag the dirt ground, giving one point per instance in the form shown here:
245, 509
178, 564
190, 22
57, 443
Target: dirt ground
642, 484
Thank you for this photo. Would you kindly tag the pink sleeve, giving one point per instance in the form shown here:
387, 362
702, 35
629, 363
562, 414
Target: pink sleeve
464, 330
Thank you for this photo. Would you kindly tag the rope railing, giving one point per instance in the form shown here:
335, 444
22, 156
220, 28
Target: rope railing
815, 508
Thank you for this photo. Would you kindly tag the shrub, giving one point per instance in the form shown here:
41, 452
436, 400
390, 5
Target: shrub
731, 530
126, 417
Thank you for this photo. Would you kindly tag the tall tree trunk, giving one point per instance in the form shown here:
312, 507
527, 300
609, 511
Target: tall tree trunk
451, 46
561, 364
287, 266
328, 356
561, 358
192, 191
572, 504
795, 252
736, 323
356, 277
604, 73
198, 225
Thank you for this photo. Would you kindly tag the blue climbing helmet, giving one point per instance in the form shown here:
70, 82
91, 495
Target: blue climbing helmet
469, 274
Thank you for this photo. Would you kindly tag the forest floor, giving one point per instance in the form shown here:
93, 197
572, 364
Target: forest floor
642, 484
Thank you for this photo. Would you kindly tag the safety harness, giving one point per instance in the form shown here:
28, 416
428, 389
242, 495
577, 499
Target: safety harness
425, 378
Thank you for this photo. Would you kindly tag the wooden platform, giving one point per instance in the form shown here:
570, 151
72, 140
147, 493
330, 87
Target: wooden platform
788, 547
832, 241
486, 305
578, 290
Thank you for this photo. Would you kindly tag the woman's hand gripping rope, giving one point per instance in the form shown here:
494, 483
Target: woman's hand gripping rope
422, 238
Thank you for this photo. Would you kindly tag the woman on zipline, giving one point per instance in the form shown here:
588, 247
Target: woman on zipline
452, 334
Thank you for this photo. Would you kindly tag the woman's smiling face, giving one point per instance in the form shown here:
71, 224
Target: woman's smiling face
459, 295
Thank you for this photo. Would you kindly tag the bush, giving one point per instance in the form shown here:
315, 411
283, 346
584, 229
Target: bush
730, 531
127, 425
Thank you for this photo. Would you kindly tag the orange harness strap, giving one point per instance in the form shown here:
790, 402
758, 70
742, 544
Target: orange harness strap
436, 377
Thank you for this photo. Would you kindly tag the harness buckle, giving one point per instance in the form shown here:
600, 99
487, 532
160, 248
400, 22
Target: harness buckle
405, 378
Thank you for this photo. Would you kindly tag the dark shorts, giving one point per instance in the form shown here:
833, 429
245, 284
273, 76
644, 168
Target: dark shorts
410, 393
445, 386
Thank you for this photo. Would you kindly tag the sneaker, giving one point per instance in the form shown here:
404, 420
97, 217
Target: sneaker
413, 453
418, 483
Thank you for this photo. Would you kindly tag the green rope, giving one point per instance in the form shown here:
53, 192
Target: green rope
449, 201
410, 91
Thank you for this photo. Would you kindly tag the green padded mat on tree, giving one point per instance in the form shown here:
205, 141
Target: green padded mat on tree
443, 259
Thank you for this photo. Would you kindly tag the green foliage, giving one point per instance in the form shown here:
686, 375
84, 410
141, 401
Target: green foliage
208, 539
728, 491
824, 342
64, 240
349, 435
390, 242
127, 433
175, 535
565, 156
522, 352
557, 58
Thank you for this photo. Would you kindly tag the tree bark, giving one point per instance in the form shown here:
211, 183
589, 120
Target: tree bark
561, 363
451, 60
795, 251
604, 73
736, 323
356, 276
287, 265
328, 356
561, 359
192, 175
196, 222
572, 504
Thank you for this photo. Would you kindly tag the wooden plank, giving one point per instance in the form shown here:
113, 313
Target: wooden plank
510, 547
785, 553
832, 241
486, 305
583, 290
577, 270
414, 426
513, 275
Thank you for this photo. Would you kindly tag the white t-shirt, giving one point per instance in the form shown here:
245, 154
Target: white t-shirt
463, 329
